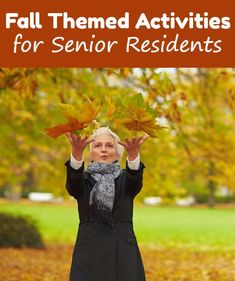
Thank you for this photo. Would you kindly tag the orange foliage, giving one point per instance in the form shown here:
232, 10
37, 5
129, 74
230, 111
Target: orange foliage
72, 125
141, 122
87, 113
136, 115
161, 264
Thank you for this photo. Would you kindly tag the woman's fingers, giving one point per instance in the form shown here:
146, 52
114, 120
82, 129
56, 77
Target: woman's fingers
76, 139
89, 141
85, 141
127, 141
69, 137
143, 139
136, 141
85, 138
122, 143
139, 139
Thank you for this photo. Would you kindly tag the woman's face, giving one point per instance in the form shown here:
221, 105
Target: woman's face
104, 149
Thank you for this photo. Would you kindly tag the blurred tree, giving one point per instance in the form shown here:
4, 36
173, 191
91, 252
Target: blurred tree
199, 107
196, 105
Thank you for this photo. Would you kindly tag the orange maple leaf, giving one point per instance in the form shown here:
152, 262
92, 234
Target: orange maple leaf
72, 125
87, 113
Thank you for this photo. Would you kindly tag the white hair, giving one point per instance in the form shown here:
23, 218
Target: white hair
106, 131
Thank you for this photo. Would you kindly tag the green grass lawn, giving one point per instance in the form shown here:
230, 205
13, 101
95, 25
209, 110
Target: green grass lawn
188, 227
160, 226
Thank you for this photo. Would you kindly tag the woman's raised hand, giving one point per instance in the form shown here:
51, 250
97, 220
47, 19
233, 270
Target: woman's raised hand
133, 145
78, 144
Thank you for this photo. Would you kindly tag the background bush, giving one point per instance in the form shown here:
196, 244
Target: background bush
18, 231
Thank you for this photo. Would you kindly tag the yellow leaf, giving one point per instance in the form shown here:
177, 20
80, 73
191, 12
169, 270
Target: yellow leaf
139, 119
111, 106
90, 111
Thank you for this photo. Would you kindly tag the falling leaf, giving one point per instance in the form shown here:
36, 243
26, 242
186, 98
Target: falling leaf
90, 111
136, 115
149, 126
72, 126
110, 105
78, 118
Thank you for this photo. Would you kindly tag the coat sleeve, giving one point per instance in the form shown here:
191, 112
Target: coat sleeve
75, 181
134, 179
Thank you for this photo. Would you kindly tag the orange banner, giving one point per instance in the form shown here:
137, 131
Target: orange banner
117, 33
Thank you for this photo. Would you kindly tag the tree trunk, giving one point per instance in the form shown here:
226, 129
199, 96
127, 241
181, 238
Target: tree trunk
211, 195
29, 183
211, 186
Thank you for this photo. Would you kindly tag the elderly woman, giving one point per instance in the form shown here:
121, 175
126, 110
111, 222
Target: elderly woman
106, 248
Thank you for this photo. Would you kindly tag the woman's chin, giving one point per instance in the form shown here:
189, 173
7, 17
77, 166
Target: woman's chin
105, 161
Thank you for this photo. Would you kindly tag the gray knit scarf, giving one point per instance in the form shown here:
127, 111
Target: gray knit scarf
103, 192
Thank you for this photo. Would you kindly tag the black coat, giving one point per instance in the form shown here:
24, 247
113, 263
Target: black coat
102, 252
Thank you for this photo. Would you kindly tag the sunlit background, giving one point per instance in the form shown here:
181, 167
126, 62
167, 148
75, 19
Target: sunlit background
184, 214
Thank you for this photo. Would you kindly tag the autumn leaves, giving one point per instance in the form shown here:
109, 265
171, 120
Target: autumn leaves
78, 118
133, 113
